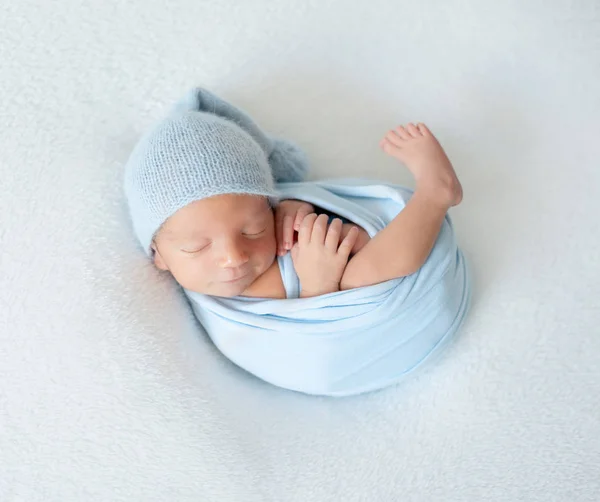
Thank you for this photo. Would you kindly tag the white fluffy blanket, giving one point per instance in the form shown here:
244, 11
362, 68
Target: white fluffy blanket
108, 393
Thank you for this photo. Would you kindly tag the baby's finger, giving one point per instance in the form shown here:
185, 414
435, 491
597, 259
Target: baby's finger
288, 232
319, 229
306, 229
348, 243
294, 253
279, 231
301, 214
334, 231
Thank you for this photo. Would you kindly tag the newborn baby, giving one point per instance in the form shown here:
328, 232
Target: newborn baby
326, 287
226, 245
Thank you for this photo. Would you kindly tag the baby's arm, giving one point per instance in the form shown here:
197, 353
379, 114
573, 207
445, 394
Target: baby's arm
402, 247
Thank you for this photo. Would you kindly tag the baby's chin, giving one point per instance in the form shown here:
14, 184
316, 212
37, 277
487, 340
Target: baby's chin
231, 289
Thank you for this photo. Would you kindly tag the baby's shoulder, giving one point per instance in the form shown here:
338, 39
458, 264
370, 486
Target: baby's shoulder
268, 285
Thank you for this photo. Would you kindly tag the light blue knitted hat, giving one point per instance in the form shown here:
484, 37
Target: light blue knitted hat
205, 147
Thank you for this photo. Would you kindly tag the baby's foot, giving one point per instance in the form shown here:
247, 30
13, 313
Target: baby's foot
420, 151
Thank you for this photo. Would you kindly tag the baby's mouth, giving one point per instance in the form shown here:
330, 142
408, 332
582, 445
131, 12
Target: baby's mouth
237, 279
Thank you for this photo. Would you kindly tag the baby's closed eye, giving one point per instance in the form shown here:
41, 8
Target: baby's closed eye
254, 232
192, 249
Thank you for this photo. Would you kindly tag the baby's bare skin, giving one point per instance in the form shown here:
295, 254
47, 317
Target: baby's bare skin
227, 245
218, 246
321, 254
402, 247
288, 218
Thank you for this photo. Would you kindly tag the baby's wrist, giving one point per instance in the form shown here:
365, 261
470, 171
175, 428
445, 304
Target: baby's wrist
310, 292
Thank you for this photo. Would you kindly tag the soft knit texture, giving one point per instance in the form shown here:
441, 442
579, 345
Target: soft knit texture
205, 147
353, 341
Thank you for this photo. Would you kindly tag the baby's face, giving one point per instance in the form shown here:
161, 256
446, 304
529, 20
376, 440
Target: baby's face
218, 246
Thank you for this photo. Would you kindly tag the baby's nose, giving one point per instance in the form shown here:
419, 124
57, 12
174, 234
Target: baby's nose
233, 256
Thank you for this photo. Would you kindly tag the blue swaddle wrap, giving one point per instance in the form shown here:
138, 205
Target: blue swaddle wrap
352, 341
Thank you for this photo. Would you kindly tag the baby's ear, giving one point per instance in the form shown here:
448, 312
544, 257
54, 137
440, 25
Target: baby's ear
159, 262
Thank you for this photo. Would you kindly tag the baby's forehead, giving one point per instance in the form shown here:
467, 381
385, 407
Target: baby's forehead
216, 215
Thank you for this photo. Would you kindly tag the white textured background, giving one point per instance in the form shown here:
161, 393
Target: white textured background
108, 393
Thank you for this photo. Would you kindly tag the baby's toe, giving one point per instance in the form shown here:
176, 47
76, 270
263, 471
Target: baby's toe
413, 131
389, 147
424, 129
402, 132
394, 139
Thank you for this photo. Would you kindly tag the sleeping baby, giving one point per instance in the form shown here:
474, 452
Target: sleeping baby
223, 208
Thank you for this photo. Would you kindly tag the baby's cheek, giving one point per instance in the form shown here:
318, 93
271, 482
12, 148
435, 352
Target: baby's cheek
193, 274
266, 247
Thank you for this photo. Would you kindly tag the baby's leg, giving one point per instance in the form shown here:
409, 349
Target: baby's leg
402, 247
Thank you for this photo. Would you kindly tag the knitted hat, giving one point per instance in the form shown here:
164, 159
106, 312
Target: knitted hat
205, 147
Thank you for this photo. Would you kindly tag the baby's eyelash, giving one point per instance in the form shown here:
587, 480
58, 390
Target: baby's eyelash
255, 234
195, 250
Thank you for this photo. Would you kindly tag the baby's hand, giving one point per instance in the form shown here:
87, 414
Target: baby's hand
319, 257
288, 217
